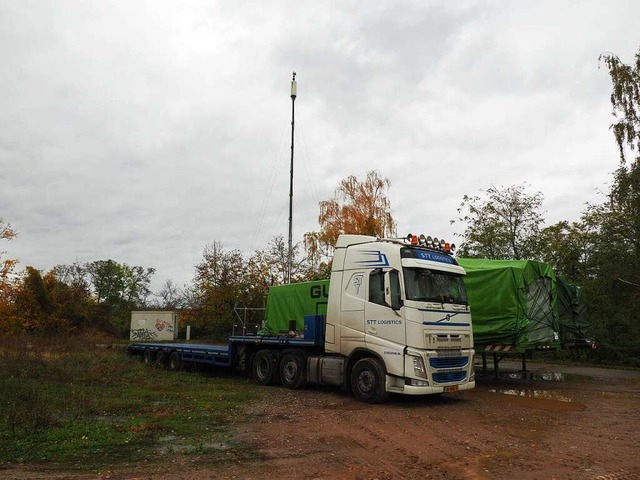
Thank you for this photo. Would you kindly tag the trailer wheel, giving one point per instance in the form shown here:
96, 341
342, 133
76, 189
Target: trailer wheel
161, 359
368, 381
264, 367
175, 362
147, 356
293, 370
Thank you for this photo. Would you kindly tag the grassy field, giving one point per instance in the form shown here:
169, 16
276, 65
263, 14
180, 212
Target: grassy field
78, 405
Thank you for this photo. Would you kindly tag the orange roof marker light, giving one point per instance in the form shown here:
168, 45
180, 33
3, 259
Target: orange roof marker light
432, 243
412, 239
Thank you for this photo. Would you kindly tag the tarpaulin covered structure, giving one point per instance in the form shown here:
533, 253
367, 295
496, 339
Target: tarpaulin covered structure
513, 303
575, 329
291, 303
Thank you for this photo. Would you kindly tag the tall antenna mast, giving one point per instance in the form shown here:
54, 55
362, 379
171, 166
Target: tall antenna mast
294, 92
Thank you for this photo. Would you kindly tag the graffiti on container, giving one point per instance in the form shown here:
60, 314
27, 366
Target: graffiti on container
164, 325
143, 334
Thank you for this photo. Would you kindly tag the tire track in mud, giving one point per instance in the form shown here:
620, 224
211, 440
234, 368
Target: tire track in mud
478, 435
374, 450
365, 441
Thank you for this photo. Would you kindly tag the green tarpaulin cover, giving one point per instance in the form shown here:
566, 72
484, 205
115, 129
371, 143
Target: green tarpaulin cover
513, 302
293, 302
572, 313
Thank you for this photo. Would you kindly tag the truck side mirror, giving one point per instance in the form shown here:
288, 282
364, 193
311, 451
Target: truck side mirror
392, 295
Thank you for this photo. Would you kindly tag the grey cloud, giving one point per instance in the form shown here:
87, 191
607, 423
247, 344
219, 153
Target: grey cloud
141, 131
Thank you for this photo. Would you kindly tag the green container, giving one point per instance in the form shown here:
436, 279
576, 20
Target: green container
287, 305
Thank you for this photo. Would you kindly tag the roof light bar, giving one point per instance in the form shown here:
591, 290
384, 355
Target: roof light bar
431, 242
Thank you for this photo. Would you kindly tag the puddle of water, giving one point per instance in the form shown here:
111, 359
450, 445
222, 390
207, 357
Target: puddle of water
545, 376
549, 376
170, 444
527, 393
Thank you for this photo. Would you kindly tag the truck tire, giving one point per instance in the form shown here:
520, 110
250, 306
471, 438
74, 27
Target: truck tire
368, 381
263, 367
293, 370
147, 356
175, 362
161, 359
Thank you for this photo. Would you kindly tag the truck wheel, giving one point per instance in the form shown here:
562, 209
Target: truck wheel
264, 367
368, 381
147, 356
293, 370
161, 359
175, 362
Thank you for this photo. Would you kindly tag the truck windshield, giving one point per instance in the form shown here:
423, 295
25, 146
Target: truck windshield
426, 285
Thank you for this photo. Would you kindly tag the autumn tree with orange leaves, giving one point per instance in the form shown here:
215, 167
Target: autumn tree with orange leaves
6, 266
358, 207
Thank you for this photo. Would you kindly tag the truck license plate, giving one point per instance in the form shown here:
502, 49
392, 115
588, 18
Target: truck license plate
453, 388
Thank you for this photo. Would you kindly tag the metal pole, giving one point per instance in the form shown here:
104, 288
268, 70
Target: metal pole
294, 92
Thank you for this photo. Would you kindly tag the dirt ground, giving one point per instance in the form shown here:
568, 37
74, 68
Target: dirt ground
565, 423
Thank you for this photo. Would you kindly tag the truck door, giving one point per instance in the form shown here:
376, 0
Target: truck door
352, 310
385, 326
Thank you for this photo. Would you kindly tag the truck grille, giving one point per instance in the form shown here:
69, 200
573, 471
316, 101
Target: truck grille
448, 362
449, 352
448, 377
444, 340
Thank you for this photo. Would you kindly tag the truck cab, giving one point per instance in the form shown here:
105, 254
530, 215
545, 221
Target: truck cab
398, 319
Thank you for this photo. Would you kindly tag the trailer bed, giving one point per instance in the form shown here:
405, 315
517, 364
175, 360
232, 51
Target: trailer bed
215, 355
218, 355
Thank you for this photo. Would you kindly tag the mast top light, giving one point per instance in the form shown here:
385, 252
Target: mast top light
294, 86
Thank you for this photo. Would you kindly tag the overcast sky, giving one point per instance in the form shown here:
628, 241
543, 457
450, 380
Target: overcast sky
141, 131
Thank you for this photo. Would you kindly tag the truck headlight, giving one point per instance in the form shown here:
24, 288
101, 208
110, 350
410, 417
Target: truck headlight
418, 367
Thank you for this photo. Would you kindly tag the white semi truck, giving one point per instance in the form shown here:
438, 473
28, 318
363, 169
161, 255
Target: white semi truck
393, 318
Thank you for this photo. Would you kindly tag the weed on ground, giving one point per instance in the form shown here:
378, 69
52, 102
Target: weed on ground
81, 406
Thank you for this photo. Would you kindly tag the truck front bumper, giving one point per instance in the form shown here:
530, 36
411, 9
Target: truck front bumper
429, 390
